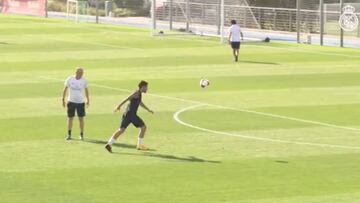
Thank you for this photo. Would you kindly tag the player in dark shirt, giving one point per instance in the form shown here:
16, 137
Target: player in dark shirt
130, 116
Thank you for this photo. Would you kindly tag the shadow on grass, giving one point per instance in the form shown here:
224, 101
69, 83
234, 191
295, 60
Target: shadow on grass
282, 162
4, 43
258, 62
190, 158
122, 145
150, 153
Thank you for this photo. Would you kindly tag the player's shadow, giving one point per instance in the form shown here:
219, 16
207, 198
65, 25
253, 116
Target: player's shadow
4, 43
169, 157
122, 145
150, 153
281, 162
189, 158
258, 62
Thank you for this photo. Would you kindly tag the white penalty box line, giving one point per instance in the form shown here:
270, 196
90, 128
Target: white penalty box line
177, 119
202, 104
222, 107
237, 109
198, 104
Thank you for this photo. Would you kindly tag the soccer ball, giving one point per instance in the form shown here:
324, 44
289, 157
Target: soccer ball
204, 83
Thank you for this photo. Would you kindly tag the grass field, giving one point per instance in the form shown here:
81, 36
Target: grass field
280, 126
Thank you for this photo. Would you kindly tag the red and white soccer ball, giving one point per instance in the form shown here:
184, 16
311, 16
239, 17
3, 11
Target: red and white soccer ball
204, 83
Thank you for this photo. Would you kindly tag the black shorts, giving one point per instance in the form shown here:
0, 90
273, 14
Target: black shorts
134, 119
78, 107
235, 45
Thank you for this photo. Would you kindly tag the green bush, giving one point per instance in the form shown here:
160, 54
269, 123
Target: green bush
123, 12
92, 11
56, 6
143, 11
123, 8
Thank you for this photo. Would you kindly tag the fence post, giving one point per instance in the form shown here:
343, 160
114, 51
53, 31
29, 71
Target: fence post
67, 10
176, 12
46, 8
322, 22
245, 17
202, 13
298, 21
341, 30
290, 21
153, 15
259, 20
187, 15
171, 15
97, 11
218, 17
77, 11
274, 19
222, 21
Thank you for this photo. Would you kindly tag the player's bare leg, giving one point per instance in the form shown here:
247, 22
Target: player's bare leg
142, 132
234, 54
81, 125
113, 138
69, 126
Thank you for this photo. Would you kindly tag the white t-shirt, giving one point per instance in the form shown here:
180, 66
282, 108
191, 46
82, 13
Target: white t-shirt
76, 89
235, 33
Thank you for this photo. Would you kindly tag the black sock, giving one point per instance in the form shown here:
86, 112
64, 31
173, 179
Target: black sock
81, 134
69, 132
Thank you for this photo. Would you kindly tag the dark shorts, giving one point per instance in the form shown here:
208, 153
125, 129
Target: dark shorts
134, 119
235, 45
79, 108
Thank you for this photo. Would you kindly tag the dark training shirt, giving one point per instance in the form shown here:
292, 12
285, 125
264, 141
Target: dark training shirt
133, 106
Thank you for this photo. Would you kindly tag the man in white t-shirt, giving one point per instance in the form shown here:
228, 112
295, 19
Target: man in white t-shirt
234, 38
78, 89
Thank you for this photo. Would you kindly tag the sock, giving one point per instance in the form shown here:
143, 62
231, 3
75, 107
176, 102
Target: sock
139, 141
111, 141
81, 134
69, 132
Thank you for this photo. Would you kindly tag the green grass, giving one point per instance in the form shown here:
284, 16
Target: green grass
185, 164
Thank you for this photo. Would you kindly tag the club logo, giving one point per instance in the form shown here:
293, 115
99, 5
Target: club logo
348, 20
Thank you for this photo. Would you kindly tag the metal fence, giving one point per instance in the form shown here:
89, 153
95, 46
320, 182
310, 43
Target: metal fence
319, 23
277, 19
308, 22
88, 9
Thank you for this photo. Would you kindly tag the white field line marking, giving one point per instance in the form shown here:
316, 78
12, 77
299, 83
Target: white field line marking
295, 49
177, 119
223, 107
89, 43
289, 118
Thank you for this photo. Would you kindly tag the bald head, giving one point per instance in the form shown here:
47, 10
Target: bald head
79, 73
